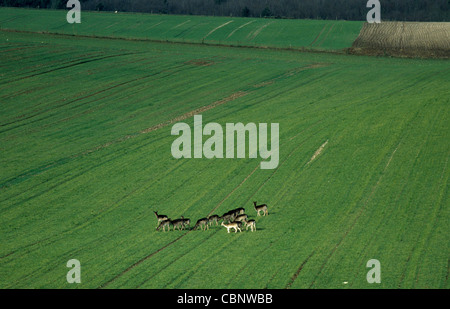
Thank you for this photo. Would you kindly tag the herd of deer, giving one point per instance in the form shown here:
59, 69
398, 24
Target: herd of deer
232, 219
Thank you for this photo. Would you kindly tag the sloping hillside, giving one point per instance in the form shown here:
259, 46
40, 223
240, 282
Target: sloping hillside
307, 34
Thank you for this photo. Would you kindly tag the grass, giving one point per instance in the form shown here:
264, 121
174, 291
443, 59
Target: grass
80, 178
237, 31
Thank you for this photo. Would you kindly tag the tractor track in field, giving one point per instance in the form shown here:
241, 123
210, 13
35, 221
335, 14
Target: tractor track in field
400, 192
73, 63
141, 261
361, 211
424, 232
436, 219
297, 273
326, 36
240, 27
374, 188
367, 244
211, 253
79, 99
254, 34
98, 106
181, 24
217, 28
318, 36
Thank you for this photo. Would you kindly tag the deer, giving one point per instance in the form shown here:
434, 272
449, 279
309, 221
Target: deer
228, 217
262, 207
177, 223
213, 218
163, 225
241, 218
202, 223
232, 225
160, 217
238, 211
251, 224
186, 222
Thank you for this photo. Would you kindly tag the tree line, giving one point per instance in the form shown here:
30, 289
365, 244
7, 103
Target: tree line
401, 10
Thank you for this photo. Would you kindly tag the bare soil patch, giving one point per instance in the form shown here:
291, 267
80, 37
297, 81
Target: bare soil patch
404, 39
200, 62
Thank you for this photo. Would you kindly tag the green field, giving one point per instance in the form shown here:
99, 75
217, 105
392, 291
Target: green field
238, 31
85, 139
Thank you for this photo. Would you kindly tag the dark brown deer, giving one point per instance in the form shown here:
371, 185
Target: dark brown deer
213, 218
160, 217
202, 223
228, 217
163, 225
238, 211
262, 207
186, 221
177, 223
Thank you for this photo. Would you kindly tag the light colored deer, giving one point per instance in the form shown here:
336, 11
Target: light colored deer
232, 225
241, 218
262, 207
251, 224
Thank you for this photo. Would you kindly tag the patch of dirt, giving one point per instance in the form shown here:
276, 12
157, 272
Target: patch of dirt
404, 39
318, 152
200, 62
263, 84
197, 111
